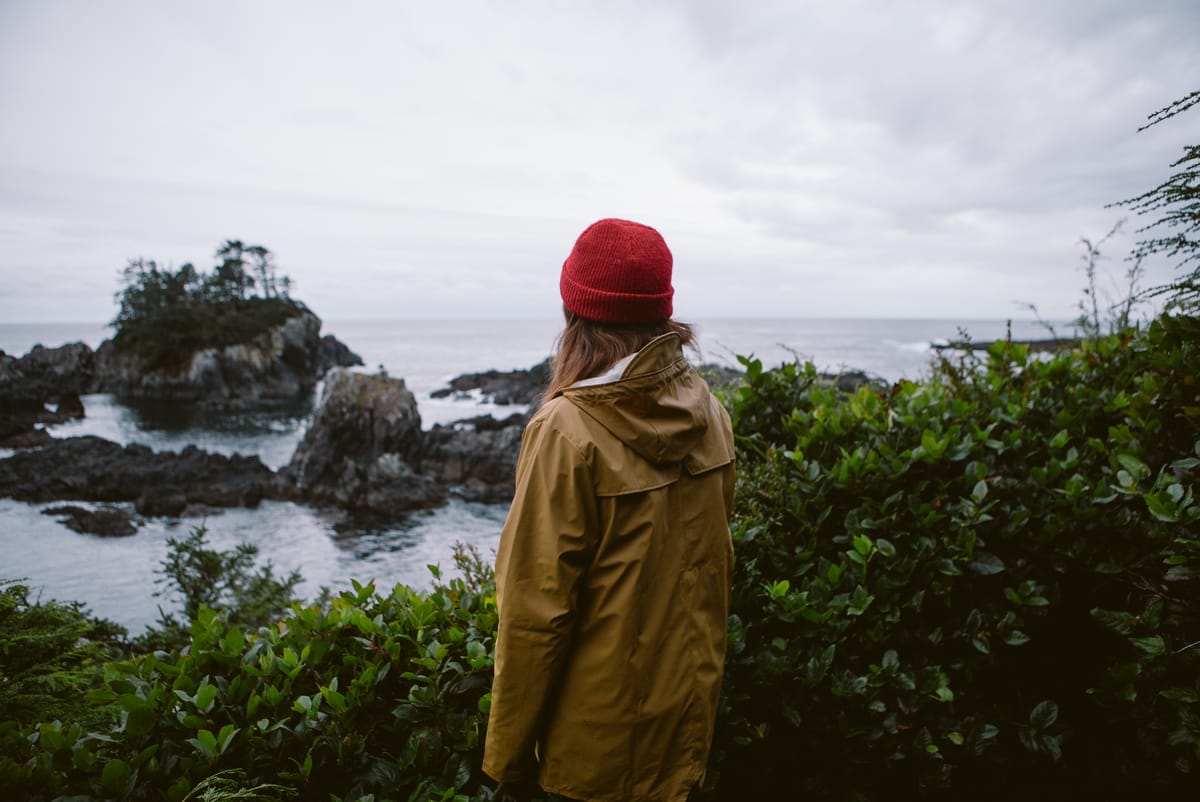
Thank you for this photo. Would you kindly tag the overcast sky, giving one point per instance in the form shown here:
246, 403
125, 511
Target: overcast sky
802, 159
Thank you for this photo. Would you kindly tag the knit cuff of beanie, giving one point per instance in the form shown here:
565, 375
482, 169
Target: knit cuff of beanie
615, 307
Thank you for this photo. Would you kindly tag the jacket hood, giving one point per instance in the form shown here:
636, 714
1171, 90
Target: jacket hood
660, 408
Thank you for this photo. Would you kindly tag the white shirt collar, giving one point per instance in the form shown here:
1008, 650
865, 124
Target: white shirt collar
609, 376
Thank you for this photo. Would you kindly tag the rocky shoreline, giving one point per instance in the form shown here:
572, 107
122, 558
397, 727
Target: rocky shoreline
364, 452
44, 386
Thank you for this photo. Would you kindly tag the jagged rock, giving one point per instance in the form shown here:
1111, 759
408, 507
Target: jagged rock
334, 353
365, 451
24, 438
278, 365
393, 488
58, 372
501, 387
476, 457
169, 502
850, 381
70, 406
43, 376
106, 521
359, 451
94, 469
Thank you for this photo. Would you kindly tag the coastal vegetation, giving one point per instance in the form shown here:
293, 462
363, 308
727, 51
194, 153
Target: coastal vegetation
981, 585
166, 315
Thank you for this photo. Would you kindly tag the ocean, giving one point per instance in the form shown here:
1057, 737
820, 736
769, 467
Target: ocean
117, 579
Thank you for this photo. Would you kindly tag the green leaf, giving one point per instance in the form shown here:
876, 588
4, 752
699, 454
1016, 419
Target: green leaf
1162, 507
979, 493
930, 442
50, 737
1118, 621
100, 696
1016, 638
140, 717
1135, 466
231, 644
1152, 646
205, 698
114, 776
986, 564
476, 649
226, 736
1043, 715
1053, 745
1188, 695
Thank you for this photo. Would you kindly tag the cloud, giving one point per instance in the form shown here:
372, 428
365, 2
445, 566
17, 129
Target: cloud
915, 159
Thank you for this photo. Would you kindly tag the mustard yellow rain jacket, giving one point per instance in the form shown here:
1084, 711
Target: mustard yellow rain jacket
613, 578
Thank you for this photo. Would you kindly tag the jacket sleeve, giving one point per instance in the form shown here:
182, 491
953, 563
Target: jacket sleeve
546, 545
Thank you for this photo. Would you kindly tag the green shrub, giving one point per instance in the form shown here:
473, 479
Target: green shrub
227, 582
373, 694
984, 582
51, 653
985, 585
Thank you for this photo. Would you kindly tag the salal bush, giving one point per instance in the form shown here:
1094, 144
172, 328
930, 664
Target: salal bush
371, 694
986, 581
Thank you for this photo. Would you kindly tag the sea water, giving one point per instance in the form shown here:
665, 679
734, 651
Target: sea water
117, 577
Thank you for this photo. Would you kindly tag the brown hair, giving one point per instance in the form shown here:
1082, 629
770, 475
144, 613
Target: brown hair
587, 347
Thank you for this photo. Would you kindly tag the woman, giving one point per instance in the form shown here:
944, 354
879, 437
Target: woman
614, 564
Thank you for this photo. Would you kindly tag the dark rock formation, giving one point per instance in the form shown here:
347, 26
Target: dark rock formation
849, 381
29, 385
20, 435
501, 387
477, 457
359, 451
333, 353
107, 521
161, 483
279, 365
365, 451
51, 373
1048, 345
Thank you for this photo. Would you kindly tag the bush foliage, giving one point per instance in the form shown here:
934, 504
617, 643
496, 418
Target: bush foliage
982, 585
51, 653
985, 582
370, 694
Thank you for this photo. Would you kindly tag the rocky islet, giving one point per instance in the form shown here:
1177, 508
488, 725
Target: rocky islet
364, 451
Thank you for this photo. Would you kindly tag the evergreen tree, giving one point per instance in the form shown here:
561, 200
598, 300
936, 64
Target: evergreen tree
166, 315
1175, 203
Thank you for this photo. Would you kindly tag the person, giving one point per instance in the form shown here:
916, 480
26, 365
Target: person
614, 566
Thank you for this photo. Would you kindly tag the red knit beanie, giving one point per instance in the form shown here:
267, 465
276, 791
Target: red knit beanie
618, 272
